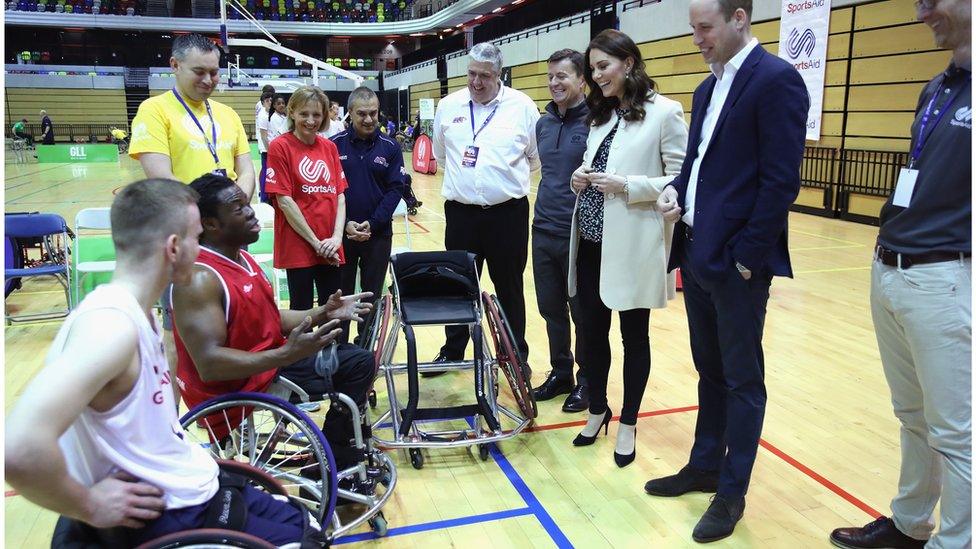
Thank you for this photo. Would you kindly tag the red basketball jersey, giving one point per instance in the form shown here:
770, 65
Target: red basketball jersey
253, 325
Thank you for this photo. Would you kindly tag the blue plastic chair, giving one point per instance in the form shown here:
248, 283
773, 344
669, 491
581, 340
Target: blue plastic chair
53, 232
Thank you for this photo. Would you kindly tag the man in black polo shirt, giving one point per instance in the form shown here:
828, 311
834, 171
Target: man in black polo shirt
921, 287
561, 134
374, 169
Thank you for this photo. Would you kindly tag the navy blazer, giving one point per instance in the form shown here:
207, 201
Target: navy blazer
750, 174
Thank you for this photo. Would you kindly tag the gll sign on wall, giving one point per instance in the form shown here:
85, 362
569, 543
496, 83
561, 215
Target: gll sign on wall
803, 30
78, 153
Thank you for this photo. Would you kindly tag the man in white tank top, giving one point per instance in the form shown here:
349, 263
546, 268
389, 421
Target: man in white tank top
95, 436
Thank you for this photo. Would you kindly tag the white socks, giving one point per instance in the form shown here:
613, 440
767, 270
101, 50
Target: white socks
626, 439
594, 422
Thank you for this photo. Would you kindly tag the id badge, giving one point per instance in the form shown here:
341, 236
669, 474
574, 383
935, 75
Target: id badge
470, 157
220, 171
905, 187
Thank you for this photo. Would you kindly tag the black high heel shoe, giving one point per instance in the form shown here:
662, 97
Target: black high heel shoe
583, 440
624, 460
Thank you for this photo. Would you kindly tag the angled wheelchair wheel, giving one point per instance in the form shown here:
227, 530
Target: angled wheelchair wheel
509, 358
268, 433
374, 339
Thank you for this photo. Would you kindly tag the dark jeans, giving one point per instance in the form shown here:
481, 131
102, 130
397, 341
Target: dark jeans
725, 322
325, 279
500, 236
550, 270
371, 260
594, 327
275, 521
353, 378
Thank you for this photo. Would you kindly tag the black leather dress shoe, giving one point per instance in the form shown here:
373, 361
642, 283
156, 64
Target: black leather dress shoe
552, 387
441, 357
686, 480
880, 533
719, 519
578, 399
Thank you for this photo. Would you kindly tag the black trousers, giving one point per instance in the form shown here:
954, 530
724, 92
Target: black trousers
500, 236
550, 270
725, 322
325, 279
594, 328
370, 259
353, 378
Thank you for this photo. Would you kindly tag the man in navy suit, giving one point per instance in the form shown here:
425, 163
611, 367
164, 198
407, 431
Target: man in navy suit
740, 175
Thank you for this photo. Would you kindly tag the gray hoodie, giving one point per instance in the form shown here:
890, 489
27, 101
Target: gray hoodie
562, 142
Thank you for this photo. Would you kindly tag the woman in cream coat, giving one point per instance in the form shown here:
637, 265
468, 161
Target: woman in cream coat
620, 242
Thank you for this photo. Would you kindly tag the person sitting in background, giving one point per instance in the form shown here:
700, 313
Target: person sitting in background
20, 132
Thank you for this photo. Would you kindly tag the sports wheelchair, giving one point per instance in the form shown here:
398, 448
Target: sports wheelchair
73, 534
275, 435
441, 289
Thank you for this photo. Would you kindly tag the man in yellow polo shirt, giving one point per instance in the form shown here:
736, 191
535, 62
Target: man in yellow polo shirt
181, 134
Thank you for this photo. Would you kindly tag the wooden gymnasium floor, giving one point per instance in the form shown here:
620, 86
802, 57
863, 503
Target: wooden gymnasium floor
829, 453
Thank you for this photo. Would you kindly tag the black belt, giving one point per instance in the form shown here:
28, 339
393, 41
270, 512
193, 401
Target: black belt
891, 257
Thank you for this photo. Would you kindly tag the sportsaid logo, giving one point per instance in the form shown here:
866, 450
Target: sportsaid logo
421, 149
314, 172
77, 153
800, 42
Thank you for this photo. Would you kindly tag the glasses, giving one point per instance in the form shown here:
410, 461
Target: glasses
925, 4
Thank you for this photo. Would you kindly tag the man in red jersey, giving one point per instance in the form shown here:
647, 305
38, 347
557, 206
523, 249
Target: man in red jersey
230, 335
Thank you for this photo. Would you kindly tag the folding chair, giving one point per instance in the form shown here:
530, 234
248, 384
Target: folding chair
52, 230
94, 251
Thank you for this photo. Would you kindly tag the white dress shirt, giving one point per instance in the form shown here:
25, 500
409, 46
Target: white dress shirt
725, 75
507, 151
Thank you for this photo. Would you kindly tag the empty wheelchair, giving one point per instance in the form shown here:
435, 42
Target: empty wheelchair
441, 289
73, 534
273, 434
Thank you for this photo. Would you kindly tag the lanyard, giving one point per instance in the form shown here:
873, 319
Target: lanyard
922, 136
213, 126
483, 124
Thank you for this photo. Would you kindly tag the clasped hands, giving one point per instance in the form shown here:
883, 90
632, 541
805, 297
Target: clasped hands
359, 232
603, 182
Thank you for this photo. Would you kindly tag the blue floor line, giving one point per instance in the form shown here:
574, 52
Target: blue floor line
533, 502
437, 525
526, 493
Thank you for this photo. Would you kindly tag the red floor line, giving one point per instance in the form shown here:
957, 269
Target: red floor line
425, 229
820, 479
9, 493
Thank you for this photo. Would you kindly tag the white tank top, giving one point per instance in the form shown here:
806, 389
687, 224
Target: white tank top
142, 433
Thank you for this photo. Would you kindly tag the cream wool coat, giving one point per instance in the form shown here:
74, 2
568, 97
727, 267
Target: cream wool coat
636, 239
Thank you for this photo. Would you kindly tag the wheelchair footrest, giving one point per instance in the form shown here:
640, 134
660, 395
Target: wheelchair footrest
451, 412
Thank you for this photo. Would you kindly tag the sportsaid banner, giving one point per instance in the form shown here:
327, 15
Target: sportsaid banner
803, 34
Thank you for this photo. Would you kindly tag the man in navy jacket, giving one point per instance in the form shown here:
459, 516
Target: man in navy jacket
373, 164
740, 175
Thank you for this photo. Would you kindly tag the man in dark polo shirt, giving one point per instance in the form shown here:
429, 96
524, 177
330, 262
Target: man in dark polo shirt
561, 135
921, 290
374, 169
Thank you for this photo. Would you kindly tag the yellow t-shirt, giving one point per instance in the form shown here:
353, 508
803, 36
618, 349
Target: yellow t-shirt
163, 126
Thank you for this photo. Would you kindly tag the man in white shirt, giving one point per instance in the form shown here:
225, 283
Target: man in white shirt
739, 178
484, 136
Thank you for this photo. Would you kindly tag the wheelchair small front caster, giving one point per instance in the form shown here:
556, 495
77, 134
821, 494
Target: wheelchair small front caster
416, 458
372, 399
484, 450
378, 524
412, 211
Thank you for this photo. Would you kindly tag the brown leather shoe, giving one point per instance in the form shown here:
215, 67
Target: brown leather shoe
881, 533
